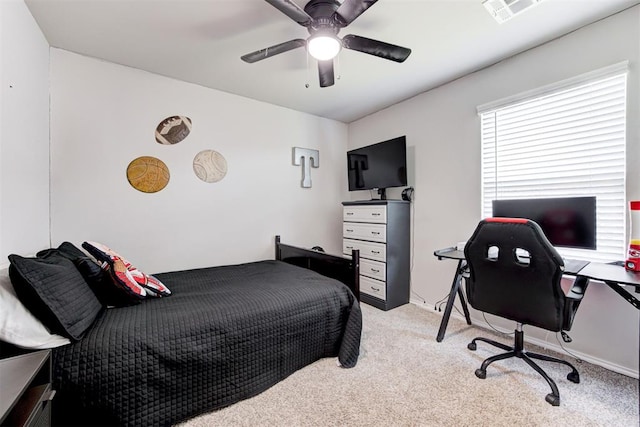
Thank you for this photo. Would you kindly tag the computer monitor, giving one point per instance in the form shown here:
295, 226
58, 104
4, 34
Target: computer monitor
566, 221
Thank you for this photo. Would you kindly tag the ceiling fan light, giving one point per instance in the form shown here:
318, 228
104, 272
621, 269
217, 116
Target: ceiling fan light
324, 47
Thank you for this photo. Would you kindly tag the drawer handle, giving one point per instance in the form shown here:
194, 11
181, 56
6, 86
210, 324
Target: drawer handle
375, 214
349, 247
375, 232
375, 252
349, 230
349, 213
375, 289
375, 270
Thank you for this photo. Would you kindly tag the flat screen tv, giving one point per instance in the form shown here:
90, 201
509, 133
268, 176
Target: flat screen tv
568, 222
378, 166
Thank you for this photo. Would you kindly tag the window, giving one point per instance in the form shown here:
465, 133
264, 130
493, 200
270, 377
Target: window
563, 140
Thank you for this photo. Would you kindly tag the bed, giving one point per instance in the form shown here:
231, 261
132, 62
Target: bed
226, 334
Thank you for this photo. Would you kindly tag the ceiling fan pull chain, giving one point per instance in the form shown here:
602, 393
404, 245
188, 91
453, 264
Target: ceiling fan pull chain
307, 82
337, 65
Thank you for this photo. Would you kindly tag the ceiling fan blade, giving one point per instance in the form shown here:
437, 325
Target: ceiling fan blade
292, 10
272, 51
325, 72
376, 48
349, 10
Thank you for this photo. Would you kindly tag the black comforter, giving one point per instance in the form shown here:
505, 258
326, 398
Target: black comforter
226, 334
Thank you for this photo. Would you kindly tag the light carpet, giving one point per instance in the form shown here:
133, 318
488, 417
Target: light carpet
405, 378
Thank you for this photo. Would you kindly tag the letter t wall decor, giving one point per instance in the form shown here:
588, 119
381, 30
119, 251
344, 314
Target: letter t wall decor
308, 158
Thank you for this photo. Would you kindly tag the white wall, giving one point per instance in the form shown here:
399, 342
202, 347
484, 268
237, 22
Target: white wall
104, 115
24, 132
442, 131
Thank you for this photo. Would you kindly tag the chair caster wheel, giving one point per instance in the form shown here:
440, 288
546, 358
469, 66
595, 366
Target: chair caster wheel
481, 373
574, 377
552, 399
472, 346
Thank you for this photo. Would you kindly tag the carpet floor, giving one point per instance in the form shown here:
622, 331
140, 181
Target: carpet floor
405, 378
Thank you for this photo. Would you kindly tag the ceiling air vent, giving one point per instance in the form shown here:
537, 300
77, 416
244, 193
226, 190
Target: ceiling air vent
503, 10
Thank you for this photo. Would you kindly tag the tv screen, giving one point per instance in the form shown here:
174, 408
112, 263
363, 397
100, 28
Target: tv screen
380, 165
566, 221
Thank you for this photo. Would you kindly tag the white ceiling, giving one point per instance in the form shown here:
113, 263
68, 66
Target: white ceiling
201, 41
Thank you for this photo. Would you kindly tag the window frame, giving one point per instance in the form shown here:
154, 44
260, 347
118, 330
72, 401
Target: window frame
490, 146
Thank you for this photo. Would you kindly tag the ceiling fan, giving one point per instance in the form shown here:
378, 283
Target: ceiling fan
324, 19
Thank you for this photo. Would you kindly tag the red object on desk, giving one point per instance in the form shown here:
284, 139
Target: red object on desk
633, 260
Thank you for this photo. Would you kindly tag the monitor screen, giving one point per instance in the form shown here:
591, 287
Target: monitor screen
380, 165
566, 221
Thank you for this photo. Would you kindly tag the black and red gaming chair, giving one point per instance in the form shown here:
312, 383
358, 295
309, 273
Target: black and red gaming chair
515, 273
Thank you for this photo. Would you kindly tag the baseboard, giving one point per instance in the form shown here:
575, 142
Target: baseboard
542, 343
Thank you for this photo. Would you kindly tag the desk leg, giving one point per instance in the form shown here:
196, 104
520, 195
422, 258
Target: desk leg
465, 309
620, 290
455, 287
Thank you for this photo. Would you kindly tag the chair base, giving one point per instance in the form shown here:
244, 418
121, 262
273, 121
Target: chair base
518, 351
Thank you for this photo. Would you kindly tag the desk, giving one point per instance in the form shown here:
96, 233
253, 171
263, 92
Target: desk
613, 276
452, 253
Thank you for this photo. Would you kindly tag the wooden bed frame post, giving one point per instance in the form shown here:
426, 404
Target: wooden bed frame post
355, 258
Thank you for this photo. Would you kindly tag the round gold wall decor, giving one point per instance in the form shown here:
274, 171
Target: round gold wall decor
148, 174
210, 166
173, 130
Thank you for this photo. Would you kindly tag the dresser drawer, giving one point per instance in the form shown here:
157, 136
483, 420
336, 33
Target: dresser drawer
373, 232
377, 214
373, 269
373, 287
370, 250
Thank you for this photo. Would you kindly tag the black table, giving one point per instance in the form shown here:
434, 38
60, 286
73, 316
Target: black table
613, 276
461, 270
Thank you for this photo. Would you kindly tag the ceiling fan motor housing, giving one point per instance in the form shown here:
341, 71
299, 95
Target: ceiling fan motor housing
324, 26
325, 19
321, 8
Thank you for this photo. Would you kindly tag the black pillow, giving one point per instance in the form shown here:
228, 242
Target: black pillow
98, 279
91, 271
53, 289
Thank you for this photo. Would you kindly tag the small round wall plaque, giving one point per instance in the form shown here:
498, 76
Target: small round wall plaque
173, 130
148, 174
210, 166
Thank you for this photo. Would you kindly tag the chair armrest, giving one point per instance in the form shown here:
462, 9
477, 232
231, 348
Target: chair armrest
578, 288
572, 301
574, 296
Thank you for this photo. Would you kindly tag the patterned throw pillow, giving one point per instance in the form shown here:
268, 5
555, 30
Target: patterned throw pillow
126, 277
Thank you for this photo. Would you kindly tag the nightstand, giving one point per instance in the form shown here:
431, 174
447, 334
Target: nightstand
26, 392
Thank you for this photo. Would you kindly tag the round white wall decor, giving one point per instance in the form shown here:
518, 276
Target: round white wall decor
210, 166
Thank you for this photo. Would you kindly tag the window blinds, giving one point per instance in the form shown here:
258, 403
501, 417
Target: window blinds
567, 142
